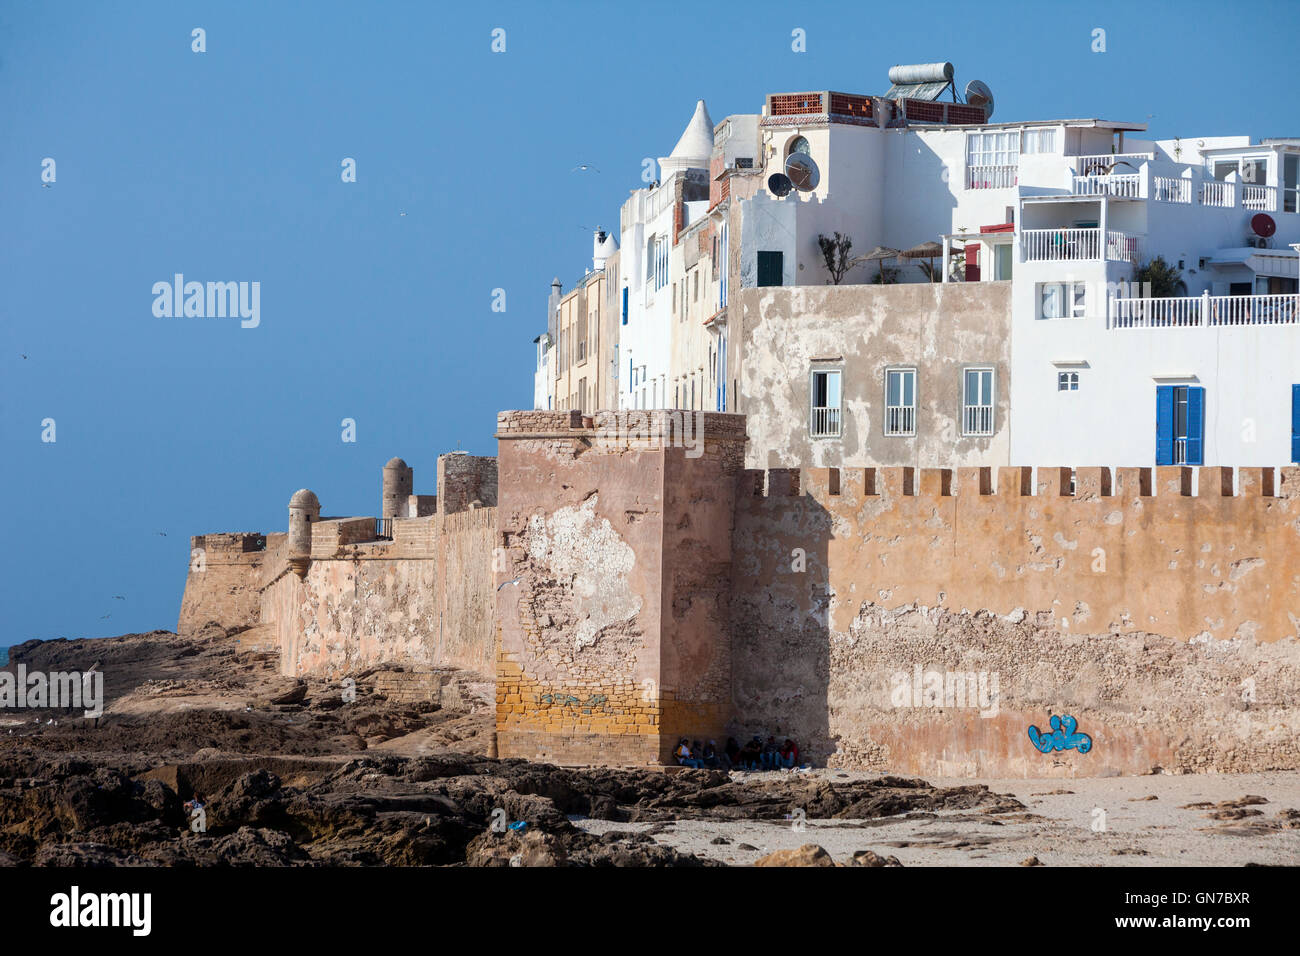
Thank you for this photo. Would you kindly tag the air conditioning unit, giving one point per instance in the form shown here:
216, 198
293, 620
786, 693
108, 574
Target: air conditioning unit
1258, 242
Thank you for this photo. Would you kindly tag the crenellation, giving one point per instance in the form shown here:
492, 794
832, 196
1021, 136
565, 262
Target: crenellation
1092, 484
936, 483
1173, 480
632, 586
1214, 482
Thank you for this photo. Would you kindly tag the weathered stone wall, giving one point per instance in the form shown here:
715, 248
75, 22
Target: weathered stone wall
420, 599
1166, 624
222, 584
780, 334
464, 480
614, 590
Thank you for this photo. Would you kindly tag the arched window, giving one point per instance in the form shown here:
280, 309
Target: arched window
799, 145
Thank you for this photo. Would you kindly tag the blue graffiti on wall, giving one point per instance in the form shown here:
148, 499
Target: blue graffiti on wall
1062, 737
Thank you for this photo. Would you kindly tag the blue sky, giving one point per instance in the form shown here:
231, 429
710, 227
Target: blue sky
225, 166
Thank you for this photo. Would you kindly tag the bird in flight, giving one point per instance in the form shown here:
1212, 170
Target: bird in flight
584, 167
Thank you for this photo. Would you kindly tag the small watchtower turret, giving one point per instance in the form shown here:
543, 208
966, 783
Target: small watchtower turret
304, 511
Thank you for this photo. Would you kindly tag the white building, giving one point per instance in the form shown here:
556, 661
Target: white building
652, 265
1065, 211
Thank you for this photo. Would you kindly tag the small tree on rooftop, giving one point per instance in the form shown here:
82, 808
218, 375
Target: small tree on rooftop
835, 253
1163, 279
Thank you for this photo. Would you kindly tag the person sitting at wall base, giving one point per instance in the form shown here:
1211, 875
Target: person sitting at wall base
789, 756
684, 757
733, 753
771, 754
751, 754
711, 756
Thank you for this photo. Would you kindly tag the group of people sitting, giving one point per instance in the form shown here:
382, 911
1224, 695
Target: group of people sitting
755, 755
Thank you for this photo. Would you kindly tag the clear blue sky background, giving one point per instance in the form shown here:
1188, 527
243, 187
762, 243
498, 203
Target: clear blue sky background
225, 166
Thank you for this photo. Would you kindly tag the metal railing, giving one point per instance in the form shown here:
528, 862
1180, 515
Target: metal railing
825, 422
900, 420
1171, 189
977, 420
1124, 186
384, 529
990, 177
1204, 310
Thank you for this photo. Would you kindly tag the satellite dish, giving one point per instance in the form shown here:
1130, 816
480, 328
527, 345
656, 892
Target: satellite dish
1263, 224
803, 172
779, 185
979, 94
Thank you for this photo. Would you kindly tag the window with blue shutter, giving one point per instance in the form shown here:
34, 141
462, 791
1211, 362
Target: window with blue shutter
625, 305
1295, 424
1194, 436
1164, 425
1180, 425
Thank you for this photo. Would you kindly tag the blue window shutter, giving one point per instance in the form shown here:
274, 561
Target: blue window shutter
625, 305
1195, 426
1164, 424
1295, 423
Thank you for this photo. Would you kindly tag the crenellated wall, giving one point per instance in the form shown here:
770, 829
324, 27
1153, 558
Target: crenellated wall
1166, 623
891, 619
634, 584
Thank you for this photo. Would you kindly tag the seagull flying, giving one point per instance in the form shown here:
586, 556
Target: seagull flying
584, 167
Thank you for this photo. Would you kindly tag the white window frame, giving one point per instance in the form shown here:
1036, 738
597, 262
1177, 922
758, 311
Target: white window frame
1038, 140
901, 423
993, 148
977, 420
830, 422
1067, 381
1073, 296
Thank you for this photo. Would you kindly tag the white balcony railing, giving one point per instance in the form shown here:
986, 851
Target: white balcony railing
1074, 245
1171, 189
990, 177
1204, 310
977, 420
1121, 248
1100, 164
1217, 193
1125, 186
826, 423
900, 420
1259, 198
1061, 245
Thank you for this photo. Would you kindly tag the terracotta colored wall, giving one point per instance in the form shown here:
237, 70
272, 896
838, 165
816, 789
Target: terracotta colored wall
423, 598
614, 594
1164, 623
221, 585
